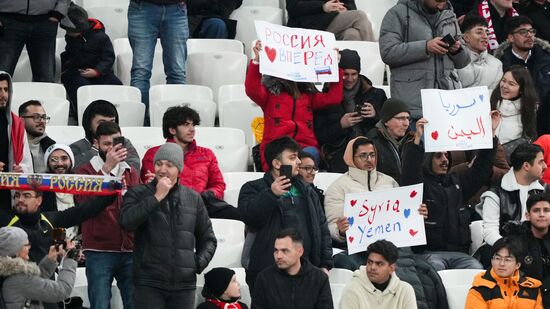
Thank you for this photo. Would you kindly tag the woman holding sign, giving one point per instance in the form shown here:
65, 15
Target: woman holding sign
288, 106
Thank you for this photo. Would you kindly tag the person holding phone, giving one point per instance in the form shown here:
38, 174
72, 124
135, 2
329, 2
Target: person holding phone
281, 200
107, 246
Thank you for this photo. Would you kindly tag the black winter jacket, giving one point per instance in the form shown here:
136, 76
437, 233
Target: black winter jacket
39, 225
173, 238
332, 138
309, 289
262, 212
92, 49
389, 161
448, 223
309, 14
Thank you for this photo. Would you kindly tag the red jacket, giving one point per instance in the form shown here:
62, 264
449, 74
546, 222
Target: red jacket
200, 169
103, 233
544, 142
285, 116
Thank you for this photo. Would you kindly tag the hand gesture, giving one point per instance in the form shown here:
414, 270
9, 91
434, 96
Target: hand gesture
115, 155
343, 225
423, 210
149, 176
55, 251
88, 73
368, 110
455, 47
164, 185
495, 121
350, 119
437, 46
17, 168
280, 185
256, 49
2, 164
333, 6
419, 130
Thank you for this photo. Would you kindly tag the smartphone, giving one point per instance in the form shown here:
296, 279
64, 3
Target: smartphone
118, 140
286, 170
358, 108
449, 39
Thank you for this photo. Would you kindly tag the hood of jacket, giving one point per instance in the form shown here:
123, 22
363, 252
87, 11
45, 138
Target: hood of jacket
87, 119
416, 6
96, 25
544, 142
10, 91
499, 52
14, 266
490, 279
509, 183
348, 153
360, 276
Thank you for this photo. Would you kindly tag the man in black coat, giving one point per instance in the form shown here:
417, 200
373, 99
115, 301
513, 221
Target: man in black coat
173, 235
335, 126
273, 203
293, 282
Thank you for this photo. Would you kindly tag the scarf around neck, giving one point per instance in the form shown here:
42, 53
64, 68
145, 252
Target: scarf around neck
224, 305
484, 11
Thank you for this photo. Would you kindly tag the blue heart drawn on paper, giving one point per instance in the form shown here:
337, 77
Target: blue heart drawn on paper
481, 97
407, 213
350, 221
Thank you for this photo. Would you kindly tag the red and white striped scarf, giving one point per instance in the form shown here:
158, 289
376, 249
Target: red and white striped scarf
485, 12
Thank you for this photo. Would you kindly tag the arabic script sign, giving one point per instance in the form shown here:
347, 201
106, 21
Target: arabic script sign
457, 119
385, 214
297, 54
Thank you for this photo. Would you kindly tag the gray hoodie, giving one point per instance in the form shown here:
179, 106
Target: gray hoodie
26, 281
56, 8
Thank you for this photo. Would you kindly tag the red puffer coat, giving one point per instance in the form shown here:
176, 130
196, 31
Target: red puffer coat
285, 116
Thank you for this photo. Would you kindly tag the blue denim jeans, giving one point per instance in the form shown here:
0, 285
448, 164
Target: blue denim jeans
213, 28
38, 37
441, 260
147, 22
101, 268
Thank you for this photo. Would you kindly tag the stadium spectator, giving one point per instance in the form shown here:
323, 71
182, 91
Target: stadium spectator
496, 13
209, 19
35, 118
539, 12
308, 169
416, 53
221, 290
59, 160
358, 113
544, 142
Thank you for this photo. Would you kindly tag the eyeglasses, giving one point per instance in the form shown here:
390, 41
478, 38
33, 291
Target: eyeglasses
403, 118
58, 159
309, 169
506, 259
525, 32
366, 155
24, 196
38, 117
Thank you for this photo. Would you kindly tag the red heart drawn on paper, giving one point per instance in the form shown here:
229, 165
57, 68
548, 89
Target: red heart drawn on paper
353, 202
271, 53
413, 193
413, 232
435, 135
351, 238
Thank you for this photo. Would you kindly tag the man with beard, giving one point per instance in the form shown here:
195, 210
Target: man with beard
15, 155
107, 246
35, 119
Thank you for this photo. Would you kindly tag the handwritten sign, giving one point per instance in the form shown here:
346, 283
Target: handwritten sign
296, 54
385, 214
457, 119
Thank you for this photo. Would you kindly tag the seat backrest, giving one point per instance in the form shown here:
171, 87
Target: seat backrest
324, 180
65, 134
124, 66
336, 290
476, 233
205, 108
340, 275
237, 179
86, 4
60, 44
375, 10
112, 93
24, 91
143, 138
213, 45
230, 237
228, 145
231, 93
22, 72
372, 65
180, 92
115, 18
130, 113
457, 283
239, 114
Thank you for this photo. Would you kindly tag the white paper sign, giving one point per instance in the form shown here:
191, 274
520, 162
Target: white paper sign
297, 54
457, 119
386, 214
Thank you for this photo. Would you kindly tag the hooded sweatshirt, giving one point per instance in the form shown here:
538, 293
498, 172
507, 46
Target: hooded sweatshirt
544, 142
360, 293
353, 181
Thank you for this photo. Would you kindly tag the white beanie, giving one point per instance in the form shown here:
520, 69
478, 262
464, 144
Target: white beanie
12, 239
55, 147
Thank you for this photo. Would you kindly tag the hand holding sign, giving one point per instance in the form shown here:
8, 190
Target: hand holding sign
256, 49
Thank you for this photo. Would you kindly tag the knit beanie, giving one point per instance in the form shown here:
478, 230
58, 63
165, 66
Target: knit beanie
78, 17
170, 152
55, 147
217, 280
391, 108
349, 59
12, 239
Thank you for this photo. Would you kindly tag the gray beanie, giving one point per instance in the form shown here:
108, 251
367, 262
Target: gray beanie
170, 152
12, 239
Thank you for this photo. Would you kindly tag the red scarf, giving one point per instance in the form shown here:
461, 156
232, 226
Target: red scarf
223, 305
485, 12
17, 138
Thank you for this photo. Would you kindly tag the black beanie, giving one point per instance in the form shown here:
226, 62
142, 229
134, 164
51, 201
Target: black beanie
349, 59
79, 17
391, 108
216, 281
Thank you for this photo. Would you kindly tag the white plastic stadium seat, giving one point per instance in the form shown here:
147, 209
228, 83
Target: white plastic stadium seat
457, 283
124, 66
372, 65
114, 17
476, 233
130, 113
181, 92
143, 138
80, 289
121, 46
98, 3
23, 72
231, 93
340, 276
234, 182
228, 145
272, 3
112, 93
376, 10
386, 89
246, 15
215, 69
239, 114
213, 45
60, 44
65, 134
51, 96
230, 236
324, 180
336, 290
